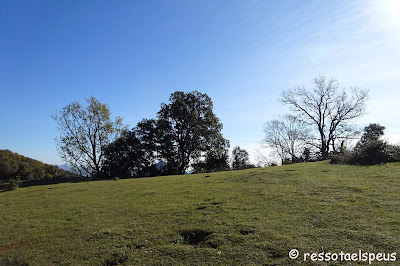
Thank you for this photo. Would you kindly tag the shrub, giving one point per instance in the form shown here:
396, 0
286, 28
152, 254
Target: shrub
368, 153
393, 153
13, 184
370, 149
342, 158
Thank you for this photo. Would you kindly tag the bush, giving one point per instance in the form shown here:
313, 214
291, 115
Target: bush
13, 184
342, 158
393, 153
369, 152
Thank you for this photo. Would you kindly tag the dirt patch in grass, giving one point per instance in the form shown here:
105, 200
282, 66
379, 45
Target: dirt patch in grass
194, 237
247, 231
116, 259
13, 246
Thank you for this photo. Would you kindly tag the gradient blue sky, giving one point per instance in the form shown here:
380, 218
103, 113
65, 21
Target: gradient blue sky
132, 55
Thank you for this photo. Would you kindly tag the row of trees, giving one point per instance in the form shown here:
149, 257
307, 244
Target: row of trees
186, 134
17, 167
320, 122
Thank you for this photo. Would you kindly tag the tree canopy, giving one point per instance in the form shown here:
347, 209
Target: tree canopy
240, 159
187, 127
373, 132
186, 134
84, 132
133, 154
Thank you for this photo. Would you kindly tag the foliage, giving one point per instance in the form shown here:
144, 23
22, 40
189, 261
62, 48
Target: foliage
246, 217
186, 128
15, 167
132, 154
372, 132
14, 183
370, 149
123, 156
240, 159
286, 135
216, 158
369, 152
84, 132
373, 150
327, 110
186, 133
147, 133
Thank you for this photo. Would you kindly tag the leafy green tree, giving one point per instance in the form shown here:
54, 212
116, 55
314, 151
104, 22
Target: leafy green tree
240, 159
371, 149
134, 153
122, 156
373, 132
215, 159
84, 132
186, 127
146, 132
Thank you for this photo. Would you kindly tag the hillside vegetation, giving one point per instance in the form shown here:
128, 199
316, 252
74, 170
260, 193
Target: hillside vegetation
15, 166
246, 217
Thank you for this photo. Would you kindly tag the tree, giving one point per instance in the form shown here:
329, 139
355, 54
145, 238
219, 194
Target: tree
240, 159
370, 149
215, 159
84, 132
186, 127
123, 156
133, 154
286, 135
372, 132
147, 133
327, 109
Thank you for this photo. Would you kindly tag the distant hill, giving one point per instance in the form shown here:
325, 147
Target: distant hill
66, 167
13, 166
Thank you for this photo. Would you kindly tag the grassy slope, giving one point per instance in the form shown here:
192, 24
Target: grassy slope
253, 216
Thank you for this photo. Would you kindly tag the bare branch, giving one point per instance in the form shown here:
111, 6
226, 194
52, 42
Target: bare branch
327, 110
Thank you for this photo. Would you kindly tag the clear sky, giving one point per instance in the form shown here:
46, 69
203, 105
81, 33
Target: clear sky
132, 55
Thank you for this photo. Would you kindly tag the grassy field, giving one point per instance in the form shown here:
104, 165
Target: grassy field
247, 217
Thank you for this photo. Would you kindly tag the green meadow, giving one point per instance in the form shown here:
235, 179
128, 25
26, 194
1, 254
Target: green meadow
246, 217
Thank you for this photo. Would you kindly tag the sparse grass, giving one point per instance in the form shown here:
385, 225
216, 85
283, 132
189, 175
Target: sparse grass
247, 217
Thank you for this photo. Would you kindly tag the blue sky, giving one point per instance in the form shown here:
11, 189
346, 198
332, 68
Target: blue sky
132, 55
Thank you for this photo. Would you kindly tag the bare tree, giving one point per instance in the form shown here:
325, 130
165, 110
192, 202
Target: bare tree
261, 159
84, 133
327, 109
286, 135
